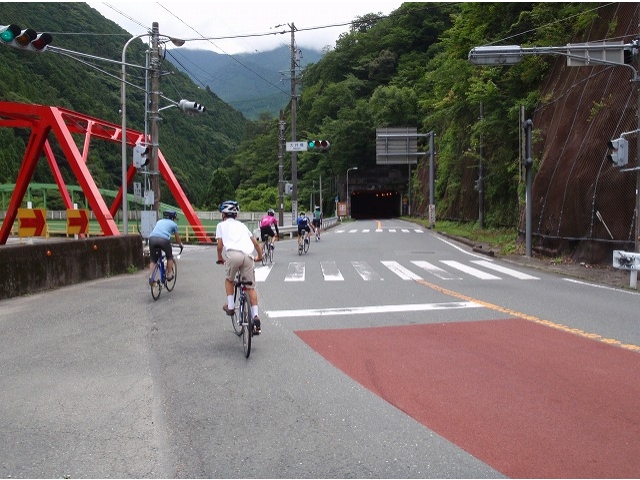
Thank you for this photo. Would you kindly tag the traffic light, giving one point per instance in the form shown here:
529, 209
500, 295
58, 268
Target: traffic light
619, 157
318, 145
141, 155
191, 107
28, 39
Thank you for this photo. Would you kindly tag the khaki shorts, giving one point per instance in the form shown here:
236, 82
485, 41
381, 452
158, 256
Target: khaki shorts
236, 260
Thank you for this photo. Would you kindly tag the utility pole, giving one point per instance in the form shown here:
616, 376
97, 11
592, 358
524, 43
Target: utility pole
281, 124
294, 155
154, 60
481, 179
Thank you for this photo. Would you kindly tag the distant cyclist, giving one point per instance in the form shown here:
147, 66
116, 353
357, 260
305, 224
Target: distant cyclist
160, 236
317, 220
267, 224
304, 227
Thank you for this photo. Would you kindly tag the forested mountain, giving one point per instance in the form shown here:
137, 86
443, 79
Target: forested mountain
193, 146
252, 83
408, 69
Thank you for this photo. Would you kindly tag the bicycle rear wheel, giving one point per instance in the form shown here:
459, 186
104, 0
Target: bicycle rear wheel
306, 244
236, 318
271, 253
265, 253
156, 286
171, 283
247, 328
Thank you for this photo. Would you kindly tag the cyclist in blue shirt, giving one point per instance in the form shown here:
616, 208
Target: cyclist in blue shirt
304, 226
160, 236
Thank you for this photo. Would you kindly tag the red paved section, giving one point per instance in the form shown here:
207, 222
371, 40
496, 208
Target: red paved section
528, 400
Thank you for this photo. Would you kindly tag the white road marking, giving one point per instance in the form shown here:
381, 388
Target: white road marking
366, 272
401, 271
295, 273
330, 272
434, 270
470, 270
262, 272
505, 270
371, 309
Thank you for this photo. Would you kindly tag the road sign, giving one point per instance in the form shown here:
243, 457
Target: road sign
296, 146
31, 222
626, 260
77, 222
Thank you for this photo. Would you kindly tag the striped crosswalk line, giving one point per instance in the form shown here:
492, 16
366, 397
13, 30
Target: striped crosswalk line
434, 270
505, 270
296, 271
470, 270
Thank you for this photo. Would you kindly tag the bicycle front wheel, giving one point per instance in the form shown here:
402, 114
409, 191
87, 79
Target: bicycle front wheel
156, 286
247, 328
171, 283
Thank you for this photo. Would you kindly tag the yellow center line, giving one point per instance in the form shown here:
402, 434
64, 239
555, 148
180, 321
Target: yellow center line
379, 224
531, 318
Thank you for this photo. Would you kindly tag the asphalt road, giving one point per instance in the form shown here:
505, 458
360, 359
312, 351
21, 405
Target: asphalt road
384, 354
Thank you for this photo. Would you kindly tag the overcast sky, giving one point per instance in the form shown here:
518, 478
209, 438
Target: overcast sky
256, 22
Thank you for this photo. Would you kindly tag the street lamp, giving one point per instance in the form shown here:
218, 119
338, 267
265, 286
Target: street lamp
349, 196
123, 85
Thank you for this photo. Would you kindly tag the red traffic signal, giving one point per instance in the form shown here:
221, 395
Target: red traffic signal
27, 39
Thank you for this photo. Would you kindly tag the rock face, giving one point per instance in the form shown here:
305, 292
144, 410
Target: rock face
582, 204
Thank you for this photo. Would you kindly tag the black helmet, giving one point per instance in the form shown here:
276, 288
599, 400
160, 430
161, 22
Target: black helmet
171, 214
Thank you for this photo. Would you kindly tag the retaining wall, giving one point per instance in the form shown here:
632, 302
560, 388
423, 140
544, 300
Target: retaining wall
44, 265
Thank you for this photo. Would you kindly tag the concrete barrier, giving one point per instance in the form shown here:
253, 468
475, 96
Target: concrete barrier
31, 268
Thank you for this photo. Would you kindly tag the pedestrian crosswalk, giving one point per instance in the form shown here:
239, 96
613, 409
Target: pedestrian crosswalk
378, 271
380, 230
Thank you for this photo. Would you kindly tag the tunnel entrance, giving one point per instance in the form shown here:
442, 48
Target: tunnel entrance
367, 204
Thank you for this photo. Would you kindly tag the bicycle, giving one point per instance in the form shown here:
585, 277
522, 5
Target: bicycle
317, 234
303, 247
160, 276
242, 320
267, 251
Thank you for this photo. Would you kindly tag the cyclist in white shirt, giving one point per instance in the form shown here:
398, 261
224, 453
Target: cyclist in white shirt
235, 245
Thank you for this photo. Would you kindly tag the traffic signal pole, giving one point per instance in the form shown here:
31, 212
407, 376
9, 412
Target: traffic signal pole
294, 155
154, 63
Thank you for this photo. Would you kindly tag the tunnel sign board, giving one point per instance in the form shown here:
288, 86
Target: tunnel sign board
77, 222
32, 222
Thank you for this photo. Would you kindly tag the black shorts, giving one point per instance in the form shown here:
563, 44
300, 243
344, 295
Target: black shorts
164, 244
316, 222
306, 228
266, 232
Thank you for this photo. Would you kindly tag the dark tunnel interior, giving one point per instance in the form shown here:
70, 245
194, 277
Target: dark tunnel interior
367, 204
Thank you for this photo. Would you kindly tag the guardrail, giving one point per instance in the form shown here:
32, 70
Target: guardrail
292, 230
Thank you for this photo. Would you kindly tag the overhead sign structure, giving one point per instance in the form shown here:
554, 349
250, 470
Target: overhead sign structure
32, 222
398, 146
77, 222
296, 146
